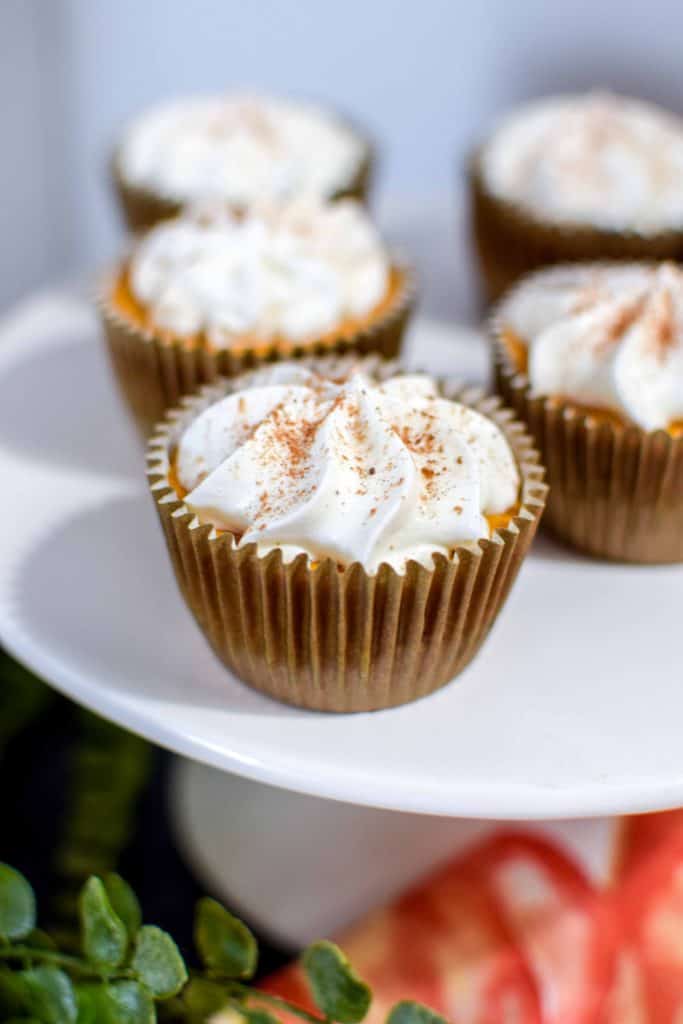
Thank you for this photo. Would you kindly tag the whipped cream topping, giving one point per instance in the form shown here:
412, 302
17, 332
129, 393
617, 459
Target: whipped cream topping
605, 336
597, 159
349, 469
292, 271
239, 149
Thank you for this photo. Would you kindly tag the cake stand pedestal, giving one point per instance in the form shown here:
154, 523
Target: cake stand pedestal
299, 867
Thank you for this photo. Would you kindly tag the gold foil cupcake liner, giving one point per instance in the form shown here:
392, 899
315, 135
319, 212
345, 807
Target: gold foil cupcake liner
153, 372
329, 638
616, 491
142, 208
510, 242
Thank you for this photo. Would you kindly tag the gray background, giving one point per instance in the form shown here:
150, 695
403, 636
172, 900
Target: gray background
427, 78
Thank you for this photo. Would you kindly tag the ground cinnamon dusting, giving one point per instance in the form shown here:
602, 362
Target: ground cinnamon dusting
587, 297
292, 438
664, 334
623, 319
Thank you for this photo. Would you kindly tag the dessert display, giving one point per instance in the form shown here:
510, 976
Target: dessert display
345, 535
593, 176
236, 149
212, 293
590, 356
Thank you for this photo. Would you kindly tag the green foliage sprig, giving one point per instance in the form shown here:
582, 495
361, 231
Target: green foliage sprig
127, 972
108, 770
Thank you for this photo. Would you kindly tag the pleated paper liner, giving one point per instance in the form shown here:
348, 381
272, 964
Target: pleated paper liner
142, 208
154, 371
616, 491
510, 242
339, 639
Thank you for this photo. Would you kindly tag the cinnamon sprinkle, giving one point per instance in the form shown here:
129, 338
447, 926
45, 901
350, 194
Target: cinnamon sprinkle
288, 443
662, 320
587, 297
623, 319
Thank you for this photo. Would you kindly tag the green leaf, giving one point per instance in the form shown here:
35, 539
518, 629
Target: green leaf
203, 998
90, 1002
259, 1017
13, 993
409, 1012
335, 987
38, 939
50, 995
17, 905
124, 902
158, 963
129, 1003
225, 944
121, 1002
104, 934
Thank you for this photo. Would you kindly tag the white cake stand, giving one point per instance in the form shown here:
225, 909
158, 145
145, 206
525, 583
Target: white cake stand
572, 709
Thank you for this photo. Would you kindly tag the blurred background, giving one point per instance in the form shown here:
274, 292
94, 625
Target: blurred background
427, 78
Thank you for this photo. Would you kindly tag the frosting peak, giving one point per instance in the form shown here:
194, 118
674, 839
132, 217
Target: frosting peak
353, 470
293, 271
239, 149
597, 159
605, 336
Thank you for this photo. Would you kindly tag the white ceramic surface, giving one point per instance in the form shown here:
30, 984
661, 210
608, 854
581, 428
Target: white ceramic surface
572, 708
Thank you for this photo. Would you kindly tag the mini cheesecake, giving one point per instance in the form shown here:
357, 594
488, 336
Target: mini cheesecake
236, 149
345, 535
212, 292
591, 358
586, 177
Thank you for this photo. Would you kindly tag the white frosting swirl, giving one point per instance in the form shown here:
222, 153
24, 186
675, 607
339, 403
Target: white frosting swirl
239, 149
352, 470
605, 336
292, 271
597, 159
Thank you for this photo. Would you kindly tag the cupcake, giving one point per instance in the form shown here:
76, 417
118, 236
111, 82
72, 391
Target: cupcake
590, 356
236, 149
213, 292
570, 178
345, 536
